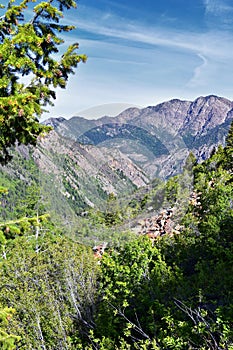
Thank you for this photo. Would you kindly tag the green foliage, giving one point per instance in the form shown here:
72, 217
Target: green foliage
175, 294
134, 283
229, 149
229, 139
27, 49
178, 189
172, 189
7, 341
53, 291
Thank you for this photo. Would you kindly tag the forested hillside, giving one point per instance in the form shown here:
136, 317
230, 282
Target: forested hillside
170, 291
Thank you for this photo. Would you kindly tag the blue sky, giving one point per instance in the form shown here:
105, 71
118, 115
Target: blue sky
145, 52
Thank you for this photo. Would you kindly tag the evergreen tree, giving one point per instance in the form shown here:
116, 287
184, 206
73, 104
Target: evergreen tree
229, 139
229, 148
27, 50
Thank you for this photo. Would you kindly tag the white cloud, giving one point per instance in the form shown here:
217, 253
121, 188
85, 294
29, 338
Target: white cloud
134, 63
212, 42
217, 7
197, 78
219, 13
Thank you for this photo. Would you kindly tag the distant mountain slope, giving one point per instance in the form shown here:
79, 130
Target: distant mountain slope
112, 131
72, 177
166, 133
111, 171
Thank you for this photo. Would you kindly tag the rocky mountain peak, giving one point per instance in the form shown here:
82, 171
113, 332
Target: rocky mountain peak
205, 113
159, 138
54, 122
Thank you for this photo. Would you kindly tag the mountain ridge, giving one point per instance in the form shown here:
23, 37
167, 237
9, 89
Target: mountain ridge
138, 146
180, 126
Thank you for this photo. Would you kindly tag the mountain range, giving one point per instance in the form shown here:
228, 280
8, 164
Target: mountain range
157, 139
81, 162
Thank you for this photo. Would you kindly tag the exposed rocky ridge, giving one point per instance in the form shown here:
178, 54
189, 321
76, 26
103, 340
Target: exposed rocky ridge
158, 225
54, 122
180, 126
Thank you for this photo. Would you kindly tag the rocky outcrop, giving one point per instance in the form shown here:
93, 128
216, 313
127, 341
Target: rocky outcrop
158, 225
99, 250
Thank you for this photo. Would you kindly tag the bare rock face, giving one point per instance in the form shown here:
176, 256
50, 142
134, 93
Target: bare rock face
158, 138
156, 226
54, 122
205, 113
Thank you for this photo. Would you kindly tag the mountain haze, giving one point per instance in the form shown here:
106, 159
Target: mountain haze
109, 109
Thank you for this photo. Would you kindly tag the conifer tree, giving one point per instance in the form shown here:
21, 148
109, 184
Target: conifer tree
229, 149
27, 49
229, 138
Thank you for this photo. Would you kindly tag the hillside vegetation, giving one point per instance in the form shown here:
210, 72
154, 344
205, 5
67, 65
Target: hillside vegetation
170, 292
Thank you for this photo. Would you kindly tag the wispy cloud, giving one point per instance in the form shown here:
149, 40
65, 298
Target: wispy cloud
197, 78
219, 12
217, 7
211, 42
130, 61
